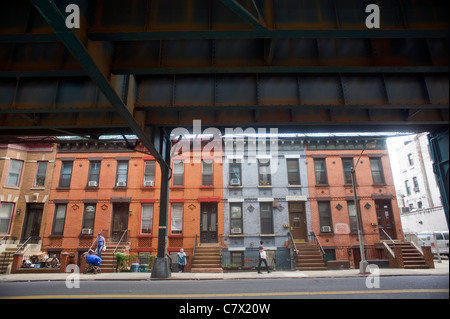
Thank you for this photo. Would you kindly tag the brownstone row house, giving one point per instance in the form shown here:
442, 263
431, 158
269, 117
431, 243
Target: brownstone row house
67, 194
25, 178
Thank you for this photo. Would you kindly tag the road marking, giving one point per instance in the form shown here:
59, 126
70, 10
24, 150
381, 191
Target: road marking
244, 294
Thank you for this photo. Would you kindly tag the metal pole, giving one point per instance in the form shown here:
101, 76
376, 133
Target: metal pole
161, 267
363, 263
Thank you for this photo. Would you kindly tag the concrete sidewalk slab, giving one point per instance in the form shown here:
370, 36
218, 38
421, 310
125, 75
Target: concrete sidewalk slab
440, 269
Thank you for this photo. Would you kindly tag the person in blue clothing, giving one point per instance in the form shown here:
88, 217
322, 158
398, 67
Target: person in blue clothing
100, 244
181, 260
262, 257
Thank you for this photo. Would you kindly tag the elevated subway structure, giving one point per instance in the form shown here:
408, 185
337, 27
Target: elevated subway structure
143, 67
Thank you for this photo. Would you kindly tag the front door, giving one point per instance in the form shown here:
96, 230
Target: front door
120, 222
297, 221
32, 223
208, 223
385, 219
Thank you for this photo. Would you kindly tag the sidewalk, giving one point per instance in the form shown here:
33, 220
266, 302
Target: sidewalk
440, 269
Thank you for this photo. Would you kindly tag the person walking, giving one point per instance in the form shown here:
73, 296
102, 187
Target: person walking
100, 244
181, 260
262, 258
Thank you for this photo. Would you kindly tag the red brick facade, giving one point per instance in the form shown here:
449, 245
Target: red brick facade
120, 206
335, 194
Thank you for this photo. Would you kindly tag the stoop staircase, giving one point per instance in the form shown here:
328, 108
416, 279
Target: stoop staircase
6, 257
309, 257
207, 258
108, 259
412, 258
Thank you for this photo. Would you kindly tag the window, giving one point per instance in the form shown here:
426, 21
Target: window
410, 159
377, 170
320, 171
6, 211
347, 165
122, 174
66, 174
15, 168
59, 219
147, 219
149, 174
178, 173
235, 174
419, 204
266, 213
293, 172
264, 172
207, 173
177, 219
352, 217
236, 218
408, 188
41, 172
88, 219
324, 216
237, 259
416, 184
94, 173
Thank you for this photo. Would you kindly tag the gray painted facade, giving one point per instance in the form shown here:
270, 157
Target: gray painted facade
263, 202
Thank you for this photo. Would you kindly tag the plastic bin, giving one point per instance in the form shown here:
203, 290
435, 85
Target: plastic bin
134, 267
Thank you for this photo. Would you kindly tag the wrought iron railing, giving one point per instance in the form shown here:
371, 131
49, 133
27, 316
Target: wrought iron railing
24, 245
121, 238
294, 251
316, 241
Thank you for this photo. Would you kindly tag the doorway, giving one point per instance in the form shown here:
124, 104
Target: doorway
119, 222
385, 219
297, 221
208, 223
32, 223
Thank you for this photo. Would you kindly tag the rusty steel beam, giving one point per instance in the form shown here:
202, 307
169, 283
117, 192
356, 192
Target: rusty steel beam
237, 56
93, 57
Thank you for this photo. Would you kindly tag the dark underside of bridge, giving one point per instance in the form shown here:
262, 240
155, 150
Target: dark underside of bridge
305, 66
138, 66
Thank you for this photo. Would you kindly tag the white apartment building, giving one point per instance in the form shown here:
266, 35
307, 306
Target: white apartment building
419, 196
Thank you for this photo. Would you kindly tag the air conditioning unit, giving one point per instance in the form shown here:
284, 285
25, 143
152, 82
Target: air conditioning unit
326, 229
416, 189
236, 230
235, 182
121, 184
86, 231
149, 183
92, 184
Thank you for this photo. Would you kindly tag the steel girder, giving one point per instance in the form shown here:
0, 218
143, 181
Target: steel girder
297, 64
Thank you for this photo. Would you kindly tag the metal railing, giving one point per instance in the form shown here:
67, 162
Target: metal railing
23, 247
121, 238
220, 245
294, 251
315, 240
393, 242
195, 246
14, 238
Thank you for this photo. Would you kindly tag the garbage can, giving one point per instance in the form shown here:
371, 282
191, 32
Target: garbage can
134, 267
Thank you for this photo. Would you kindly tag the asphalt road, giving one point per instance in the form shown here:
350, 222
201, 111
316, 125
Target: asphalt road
409, 287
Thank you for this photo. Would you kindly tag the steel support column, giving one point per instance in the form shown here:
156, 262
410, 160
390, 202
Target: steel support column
161, 267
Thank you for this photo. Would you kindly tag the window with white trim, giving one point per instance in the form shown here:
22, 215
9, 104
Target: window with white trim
147, 219
15, 168
177, 219
6, 212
